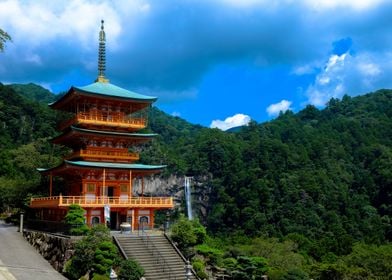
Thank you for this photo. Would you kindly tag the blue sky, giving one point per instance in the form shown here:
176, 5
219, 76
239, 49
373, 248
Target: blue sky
215, 63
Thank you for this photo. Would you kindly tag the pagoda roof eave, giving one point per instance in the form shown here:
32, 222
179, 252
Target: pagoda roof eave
144, 135
83, 131
104, 165
115, 165
105, 90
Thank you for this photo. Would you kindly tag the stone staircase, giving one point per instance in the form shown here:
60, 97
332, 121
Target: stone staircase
155, 254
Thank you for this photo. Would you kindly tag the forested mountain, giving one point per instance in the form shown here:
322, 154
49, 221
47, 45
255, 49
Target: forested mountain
319, 178
325, 174
34, 92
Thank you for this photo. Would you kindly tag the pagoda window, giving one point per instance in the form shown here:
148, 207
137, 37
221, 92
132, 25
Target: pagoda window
124, 188
90, 175
123, 177
110, 176
90, 187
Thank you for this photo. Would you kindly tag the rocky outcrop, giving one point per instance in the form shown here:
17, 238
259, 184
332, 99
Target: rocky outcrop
174, 186
57, 250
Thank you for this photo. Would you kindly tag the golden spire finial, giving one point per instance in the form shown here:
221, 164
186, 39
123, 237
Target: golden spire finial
101, 56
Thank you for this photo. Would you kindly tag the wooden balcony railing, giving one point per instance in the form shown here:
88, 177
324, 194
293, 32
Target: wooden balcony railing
108, 119
100, 201
105, 155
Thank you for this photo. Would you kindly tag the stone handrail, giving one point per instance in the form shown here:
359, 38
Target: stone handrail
180, 254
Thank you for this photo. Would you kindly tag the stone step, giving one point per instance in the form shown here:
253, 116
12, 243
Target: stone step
135, 248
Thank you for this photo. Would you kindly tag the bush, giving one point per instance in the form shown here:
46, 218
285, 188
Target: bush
71, 270
75, 219
213, 255
100, 277
83, 259
200, 268
188, 233
249, 268
295, 274
104, 257
130, 270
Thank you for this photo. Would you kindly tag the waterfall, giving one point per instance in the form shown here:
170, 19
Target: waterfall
187, 189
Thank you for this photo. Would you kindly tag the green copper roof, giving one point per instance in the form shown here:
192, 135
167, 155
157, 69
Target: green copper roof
114, 165
147, 135
108, 89
110, 165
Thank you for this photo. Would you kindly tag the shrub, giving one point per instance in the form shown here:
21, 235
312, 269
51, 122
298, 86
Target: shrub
83, 259
130, 270
213, 255
188, 233
295, 274
100, 277
75, 219
200, 268
104, 257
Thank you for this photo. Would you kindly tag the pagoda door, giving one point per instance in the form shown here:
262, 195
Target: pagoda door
109, 191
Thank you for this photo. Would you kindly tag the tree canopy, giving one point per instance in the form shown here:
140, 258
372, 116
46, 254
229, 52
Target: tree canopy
317, 182
4, 37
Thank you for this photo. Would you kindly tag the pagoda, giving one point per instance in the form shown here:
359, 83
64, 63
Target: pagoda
99, 174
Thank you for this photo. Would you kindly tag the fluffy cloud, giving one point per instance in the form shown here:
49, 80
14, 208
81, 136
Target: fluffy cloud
154, 44
234, 121
275, 109
349, 74
331, 4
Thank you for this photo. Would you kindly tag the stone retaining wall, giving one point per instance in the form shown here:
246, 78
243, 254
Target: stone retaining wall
55, 249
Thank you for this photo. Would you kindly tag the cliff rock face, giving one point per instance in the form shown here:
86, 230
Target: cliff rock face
174, 186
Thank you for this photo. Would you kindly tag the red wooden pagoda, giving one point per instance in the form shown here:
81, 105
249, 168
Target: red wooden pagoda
99, 173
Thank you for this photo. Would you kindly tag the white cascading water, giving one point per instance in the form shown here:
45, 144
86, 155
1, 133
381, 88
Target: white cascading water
187, 189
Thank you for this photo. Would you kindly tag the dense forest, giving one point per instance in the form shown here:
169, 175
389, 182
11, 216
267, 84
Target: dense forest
308, 194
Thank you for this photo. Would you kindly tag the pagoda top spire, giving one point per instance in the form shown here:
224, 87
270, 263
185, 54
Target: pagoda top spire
101, 56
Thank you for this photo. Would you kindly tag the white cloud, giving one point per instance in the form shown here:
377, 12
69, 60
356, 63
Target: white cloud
303, 70
234, 121
282, 106
51, 39
369, 69
354, 4
77, 21
348, 74
176, 114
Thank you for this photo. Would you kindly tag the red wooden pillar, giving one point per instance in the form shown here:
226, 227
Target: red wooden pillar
135, 219
152, 218
130, 184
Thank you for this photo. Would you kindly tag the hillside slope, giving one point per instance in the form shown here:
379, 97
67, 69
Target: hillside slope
322, 174
325, 174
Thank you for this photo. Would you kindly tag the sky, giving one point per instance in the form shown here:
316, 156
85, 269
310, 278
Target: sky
216, 63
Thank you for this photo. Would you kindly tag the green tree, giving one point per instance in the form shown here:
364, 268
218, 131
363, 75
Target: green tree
105, 256
250, 268
130, 270
75, 219
4, 37
187, 234
82, 261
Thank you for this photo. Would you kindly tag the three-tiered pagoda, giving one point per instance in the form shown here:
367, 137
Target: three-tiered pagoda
99, 173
